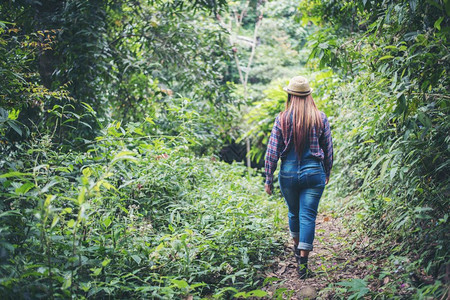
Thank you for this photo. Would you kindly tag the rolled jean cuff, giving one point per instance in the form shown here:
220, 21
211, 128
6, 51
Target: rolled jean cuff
305, 246
295, 235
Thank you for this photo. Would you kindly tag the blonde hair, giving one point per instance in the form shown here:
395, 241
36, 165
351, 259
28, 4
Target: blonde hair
305, 119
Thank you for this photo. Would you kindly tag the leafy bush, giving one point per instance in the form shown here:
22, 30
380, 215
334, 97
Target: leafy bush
390, 106
131, 217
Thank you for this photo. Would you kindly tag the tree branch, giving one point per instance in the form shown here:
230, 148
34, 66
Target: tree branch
255, 33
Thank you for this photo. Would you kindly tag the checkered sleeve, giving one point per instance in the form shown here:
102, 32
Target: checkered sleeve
326, 143
273, 152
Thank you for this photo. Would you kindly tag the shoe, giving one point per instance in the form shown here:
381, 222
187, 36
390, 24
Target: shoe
304, 272
302, 268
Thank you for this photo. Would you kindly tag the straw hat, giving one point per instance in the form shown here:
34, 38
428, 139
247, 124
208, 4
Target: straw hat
298, 86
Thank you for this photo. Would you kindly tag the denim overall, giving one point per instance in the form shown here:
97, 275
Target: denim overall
302, 182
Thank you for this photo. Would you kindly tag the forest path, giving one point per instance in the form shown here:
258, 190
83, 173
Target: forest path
335, 258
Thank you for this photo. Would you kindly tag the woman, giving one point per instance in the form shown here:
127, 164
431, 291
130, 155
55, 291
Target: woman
301, 136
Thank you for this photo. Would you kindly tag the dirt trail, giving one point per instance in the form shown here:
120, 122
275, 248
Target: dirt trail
334, 259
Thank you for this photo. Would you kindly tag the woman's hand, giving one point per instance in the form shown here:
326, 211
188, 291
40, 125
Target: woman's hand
268, 189
326, 180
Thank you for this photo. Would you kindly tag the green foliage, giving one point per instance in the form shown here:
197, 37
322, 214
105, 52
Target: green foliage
131, 217
25, 104
161, 49
379, 70
122, 59
111, 111
357, 288
261, 118
280, 39
133, 212
15, 83
390, 114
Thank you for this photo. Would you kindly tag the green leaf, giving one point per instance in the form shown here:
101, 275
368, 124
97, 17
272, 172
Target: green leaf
96, 271
67, 283
55, 221
392, 173
86, 124
71, 223
386, 57
106, 262
384, 167
107, 185
422, 209
48, 200
369, 172
369, 141
124, 155
240, 294
181, 284
136, 258
10, 213
323, 45
89, 108
257, 293
196, 285
13, 114
15, 174
15, 125
269, 280
87, 172
107, 222
438, 22
24, 188
81, 195
355, 285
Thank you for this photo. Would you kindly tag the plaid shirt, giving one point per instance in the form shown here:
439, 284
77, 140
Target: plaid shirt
321, 146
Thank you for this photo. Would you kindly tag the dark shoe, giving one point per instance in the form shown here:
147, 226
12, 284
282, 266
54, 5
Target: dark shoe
304, 272
302, 269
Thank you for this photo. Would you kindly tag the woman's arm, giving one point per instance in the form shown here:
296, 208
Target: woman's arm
326, 143
273, 152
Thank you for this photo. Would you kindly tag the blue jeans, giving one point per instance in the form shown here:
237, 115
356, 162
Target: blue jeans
302, 183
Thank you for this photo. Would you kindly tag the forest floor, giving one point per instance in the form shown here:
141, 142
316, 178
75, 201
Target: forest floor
338, 255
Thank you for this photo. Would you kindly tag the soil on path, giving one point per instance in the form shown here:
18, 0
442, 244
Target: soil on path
335, 258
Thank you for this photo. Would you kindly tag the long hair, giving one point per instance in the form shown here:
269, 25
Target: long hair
305, 119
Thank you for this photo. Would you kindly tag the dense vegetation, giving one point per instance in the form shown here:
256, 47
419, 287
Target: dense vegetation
128, 218
381, 69
392, 119
113, 115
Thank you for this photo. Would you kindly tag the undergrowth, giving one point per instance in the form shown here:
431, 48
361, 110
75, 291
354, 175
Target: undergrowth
131, 217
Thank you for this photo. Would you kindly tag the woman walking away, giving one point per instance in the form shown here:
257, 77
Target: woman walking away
301, 136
